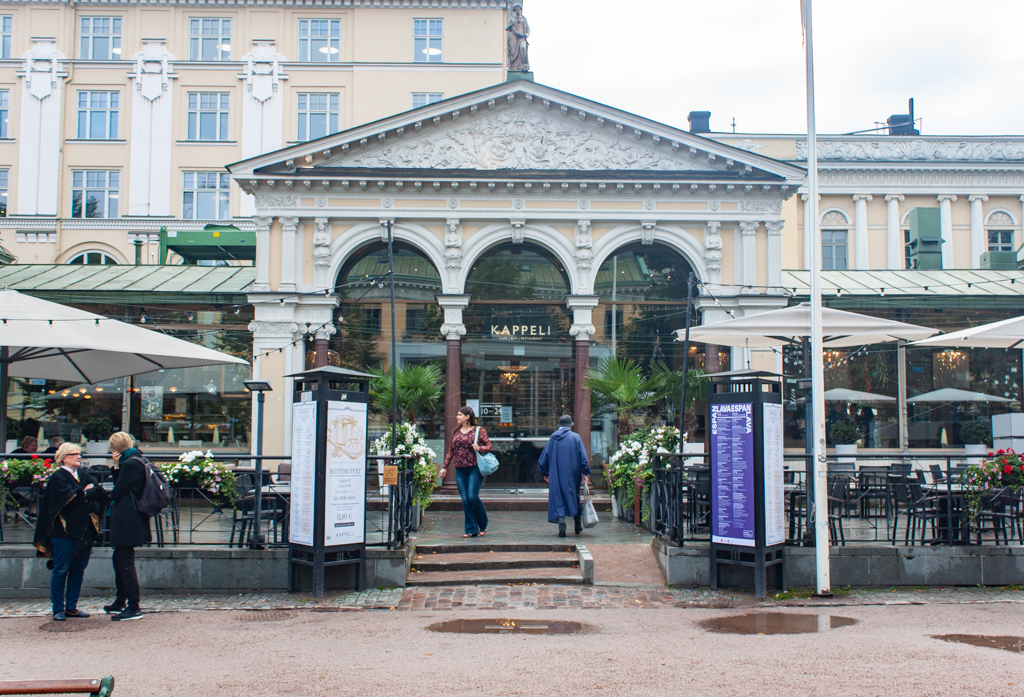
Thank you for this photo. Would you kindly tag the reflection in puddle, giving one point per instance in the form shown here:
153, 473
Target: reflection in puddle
1006, 643
507, 626
776, 623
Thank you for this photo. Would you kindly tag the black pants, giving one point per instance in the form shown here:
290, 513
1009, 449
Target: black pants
125, 577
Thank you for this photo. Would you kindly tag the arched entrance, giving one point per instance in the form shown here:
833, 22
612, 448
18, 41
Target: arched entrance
517, 354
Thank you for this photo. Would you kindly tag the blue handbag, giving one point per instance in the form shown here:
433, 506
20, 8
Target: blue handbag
487, 462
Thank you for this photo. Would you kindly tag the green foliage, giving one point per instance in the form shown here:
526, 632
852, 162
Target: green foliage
632, 465
620, 386
1004, 471
97, 429
500, 277
975, 432
411, 441
845, 433
419, 389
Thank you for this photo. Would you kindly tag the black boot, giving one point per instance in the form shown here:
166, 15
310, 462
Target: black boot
561, 529
578, 521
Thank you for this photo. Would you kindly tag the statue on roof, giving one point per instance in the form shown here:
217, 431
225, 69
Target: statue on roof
516, 33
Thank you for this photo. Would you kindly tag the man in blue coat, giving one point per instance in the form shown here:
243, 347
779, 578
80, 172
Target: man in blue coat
564, 465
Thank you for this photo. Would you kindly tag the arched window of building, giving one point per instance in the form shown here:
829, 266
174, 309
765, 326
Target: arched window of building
518, 272
999, 229
94, 258
835, 233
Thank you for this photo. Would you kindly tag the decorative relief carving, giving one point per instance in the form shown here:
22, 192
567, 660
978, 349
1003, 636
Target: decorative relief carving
748, 228
324, 332
289, 224
517, 139
384, 228
749, 145
321, 201
152, 69
275, 201
388, 202
518, 203
714, 206
518, 231
265, 329
1000, 218
453, 244
834, 218
584, 245
321, 252
263, 223
931, 178
583, 204
453, 331
582, 331
647, 232
713, 235
760, 206
713, 251
43, 69
453, 203
774, 227
649, 205
921, 150
262, 72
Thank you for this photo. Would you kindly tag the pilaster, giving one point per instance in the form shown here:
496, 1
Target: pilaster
774, 228
39, 137
149, 192
860, 231
895, 254
978, 241
748, 232
946, 229
321, 254
288, 237
713, 251
262, 106
262, 282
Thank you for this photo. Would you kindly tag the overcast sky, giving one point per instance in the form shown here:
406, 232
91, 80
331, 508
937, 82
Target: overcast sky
962, 62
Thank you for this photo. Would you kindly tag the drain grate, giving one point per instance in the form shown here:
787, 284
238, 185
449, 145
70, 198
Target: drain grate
70, 626
508, 626
266, 616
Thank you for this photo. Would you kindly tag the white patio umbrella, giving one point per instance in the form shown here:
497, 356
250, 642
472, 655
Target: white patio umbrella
950, 394
42, 339
1004, 334
841, 394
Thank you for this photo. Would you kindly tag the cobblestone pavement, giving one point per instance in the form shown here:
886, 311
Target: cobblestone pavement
539, 596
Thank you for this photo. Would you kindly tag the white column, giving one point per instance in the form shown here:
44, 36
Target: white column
894, 242
774, 228
39, 138
288, 226
149, 169
946, 229
748, 230
262, 282
860, 231
978, 241
807, 232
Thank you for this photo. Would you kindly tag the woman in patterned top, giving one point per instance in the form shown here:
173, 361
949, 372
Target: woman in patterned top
461, 455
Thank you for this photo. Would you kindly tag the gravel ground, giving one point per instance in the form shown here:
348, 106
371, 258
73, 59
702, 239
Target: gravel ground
625, 652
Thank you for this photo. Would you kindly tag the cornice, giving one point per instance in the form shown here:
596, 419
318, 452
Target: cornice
905, 180
127, 224
317, 4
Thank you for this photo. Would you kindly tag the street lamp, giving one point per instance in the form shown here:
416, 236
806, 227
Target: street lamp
259, 387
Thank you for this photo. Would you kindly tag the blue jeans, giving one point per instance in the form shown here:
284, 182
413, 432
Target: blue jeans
469, 480
67, 576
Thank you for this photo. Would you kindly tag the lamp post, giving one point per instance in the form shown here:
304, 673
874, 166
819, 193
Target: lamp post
259, 387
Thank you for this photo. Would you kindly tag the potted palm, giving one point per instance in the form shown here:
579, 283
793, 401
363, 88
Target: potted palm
977, 438
845, 435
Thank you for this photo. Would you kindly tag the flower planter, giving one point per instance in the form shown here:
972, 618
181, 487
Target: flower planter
847, 454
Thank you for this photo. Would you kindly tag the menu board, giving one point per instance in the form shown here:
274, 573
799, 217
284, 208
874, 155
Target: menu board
300, 530
774, 485
732, 474
345, 495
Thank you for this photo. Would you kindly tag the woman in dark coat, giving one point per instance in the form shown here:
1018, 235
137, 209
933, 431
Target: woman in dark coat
67, 528
564, 465
128, 527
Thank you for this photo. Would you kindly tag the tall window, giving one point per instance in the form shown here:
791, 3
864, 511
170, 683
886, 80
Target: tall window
206, 196
209, 39
833, 250
1000, 240
6, 25
101, 38
319, 40
3, 193
424, 98
208, 115
94, 193
318, 115
5, 110
97, 115
427, 39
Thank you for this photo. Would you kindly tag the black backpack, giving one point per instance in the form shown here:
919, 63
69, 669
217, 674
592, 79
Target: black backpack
157, 492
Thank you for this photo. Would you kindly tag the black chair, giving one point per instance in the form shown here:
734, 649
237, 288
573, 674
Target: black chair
838, 505
873, 491
938, 476
999, 515
273, 511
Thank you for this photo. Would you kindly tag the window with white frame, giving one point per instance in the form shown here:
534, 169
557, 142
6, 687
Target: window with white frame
209, 39
907, 263
319, 40
208, 115
424, 98
206, 196
1000, 232
3, 192
36, 237
93, 258
427, 39
100, 38
318, 115
94, 193
97, 115
6, 35
5, 111
834, 241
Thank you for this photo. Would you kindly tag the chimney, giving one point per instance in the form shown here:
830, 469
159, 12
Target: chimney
700, 121
903, 124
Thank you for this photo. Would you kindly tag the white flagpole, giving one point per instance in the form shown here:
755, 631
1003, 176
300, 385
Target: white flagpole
820, 483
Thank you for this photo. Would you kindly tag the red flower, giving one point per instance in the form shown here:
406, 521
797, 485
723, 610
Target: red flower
1004, 460
35, 457
990, 453
1008, 469
47, 462
1000, 451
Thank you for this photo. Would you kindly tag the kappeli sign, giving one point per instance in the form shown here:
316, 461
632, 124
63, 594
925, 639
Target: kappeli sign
520, 332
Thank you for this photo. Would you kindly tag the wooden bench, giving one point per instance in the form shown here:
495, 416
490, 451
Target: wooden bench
84, 686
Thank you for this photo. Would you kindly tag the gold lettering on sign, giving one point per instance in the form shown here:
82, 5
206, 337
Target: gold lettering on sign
520, 332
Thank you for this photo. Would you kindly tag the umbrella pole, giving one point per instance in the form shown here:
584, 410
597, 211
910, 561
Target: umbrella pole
901, 387
4, 380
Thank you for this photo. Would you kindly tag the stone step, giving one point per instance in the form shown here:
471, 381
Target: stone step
479, 546
473, 561
496, 576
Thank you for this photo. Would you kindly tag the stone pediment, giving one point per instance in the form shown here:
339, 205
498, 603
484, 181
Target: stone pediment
517, 126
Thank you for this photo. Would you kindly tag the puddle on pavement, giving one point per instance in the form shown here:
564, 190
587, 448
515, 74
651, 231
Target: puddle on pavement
507, 626
1006, 643
776, 623
67, 626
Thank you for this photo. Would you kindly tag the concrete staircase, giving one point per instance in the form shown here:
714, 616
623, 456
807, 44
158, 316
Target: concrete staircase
481, 563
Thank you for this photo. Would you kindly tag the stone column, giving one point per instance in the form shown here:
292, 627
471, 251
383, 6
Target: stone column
321, 254
321, 342
895, 245
860, 231
807, 231
453, 330
978, 241
288, 236
582, 329
262, 282
774, 228
749, 231
946, 228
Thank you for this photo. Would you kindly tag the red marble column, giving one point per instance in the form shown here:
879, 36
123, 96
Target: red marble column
581, 396
452, 402
320, 353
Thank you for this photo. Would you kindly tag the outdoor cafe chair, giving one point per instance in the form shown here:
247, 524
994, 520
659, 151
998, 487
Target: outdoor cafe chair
938, 476
873, 488
838, 489
919, 510
999, 515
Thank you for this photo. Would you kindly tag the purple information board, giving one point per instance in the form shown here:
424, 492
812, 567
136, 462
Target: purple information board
732, 474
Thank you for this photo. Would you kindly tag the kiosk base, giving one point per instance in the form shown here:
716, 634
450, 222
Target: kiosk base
340, 568
744, 567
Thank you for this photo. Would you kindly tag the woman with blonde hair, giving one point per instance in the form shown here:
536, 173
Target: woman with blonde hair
67, 528
128, 527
